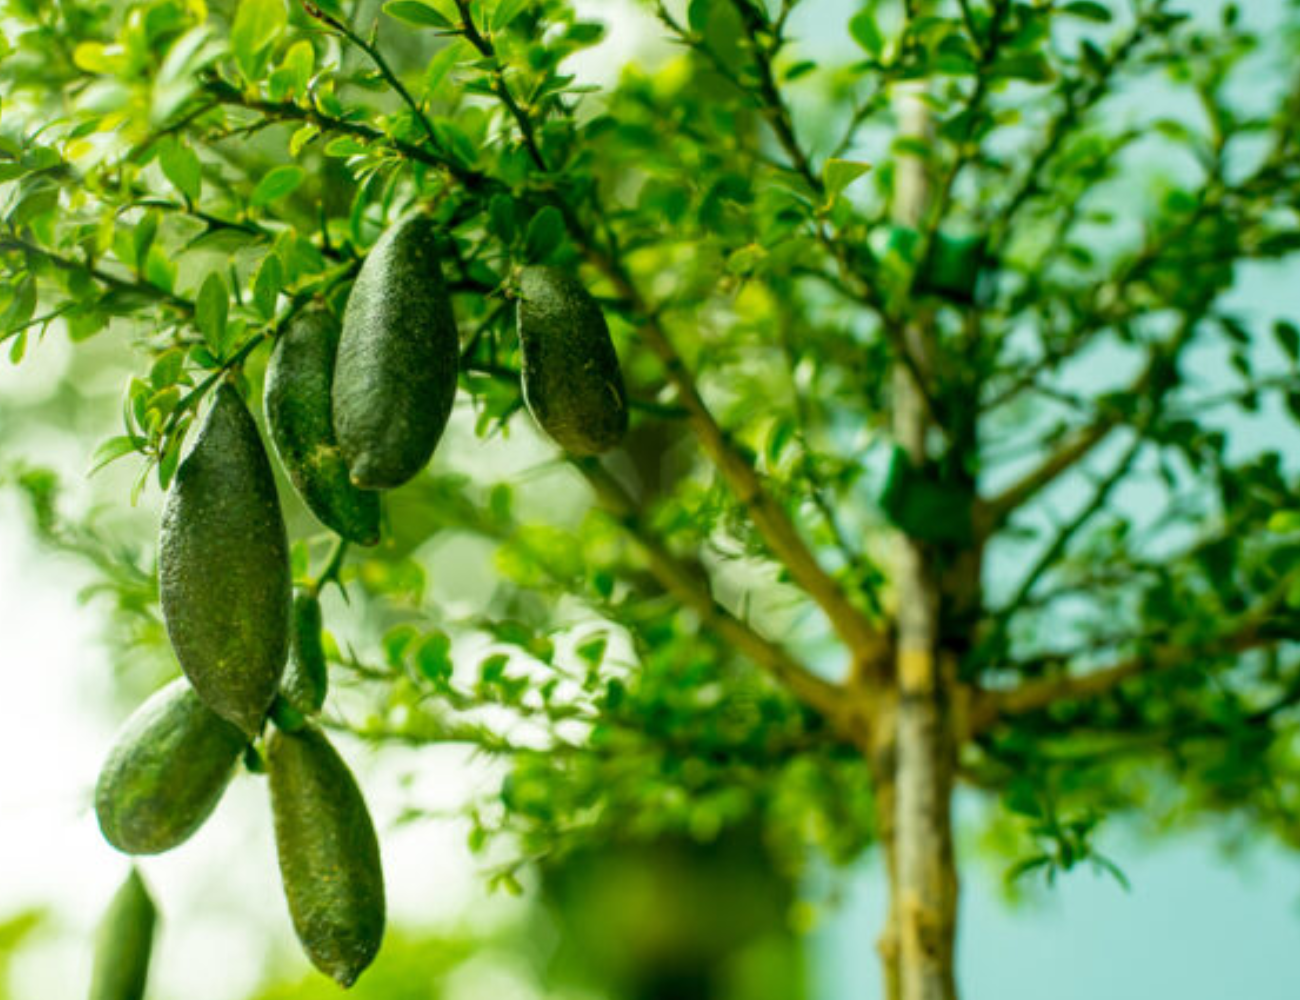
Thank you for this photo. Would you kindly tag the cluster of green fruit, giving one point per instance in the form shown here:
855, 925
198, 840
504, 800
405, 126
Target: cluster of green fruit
351, 412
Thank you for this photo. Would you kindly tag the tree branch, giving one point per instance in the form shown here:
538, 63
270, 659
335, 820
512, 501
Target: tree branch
990, 707
993, 513
1062, 540
688, 582
859, 634
14, 243
488, 51
774, 108
288, 111
381, 64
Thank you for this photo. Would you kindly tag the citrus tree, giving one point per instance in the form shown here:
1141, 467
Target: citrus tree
920, 465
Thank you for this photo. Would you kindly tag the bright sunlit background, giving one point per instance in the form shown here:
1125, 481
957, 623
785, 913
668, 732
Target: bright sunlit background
1200, 921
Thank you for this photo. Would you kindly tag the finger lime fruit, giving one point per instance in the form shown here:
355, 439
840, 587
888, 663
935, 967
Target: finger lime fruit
306, 679
165, 772
299, 377
124, 943
398, 358
224, 575
329, 855
571, 378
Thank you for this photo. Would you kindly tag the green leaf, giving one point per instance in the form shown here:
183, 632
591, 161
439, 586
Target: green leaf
501, 217
258, 23
433, 657
698, 14
545, 232
277, 184
294, 73
416, 14
210, 310
343, 146
267, 284
110, 451
301, 137
839, 174
1287, 335
171, 458
181, 166
1284, 521
145, 231
441, 64
37, 202
167, 369
505, 12
1088, 10
1030, 66
865, 31
798, 70
743, 261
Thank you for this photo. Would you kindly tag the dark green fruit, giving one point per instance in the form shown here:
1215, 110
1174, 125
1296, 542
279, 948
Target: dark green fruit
224, 575
571, 378
166, 771
306, 680
329, 856
395, 377
299, 416
124, 942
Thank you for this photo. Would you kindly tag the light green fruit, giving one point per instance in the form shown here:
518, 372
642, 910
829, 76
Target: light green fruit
166, 772
124, 943
224, 575
398, 359
306, 681
329, 855
299, 378
571, 378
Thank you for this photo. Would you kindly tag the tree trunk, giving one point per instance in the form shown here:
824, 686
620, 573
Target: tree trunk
923, 882
883, 764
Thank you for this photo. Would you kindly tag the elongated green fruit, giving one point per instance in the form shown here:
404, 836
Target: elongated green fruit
395, 377
165, 772
329, 856
224, 575
306, 680
124, 943
572, 382
299, 414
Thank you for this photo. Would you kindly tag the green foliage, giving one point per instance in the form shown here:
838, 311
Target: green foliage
184, 182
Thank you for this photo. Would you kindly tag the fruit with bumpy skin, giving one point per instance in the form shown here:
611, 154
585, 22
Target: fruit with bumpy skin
299, 377
572, 382
306, 679
124, 943
329, 856
166, 772
398, 359
224, 575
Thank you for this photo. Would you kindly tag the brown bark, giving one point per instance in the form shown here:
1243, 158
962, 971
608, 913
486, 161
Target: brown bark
883, 762
923, 872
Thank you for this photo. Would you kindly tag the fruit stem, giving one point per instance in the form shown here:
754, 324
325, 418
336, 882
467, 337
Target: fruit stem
332, 566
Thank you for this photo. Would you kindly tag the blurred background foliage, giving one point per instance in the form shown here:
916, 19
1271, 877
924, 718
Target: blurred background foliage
662, 793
